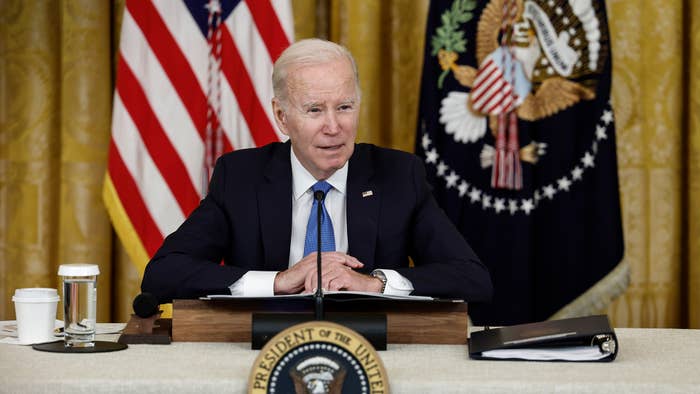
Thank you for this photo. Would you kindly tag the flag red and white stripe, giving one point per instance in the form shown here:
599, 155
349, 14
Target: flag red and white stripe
491, 93
188, 89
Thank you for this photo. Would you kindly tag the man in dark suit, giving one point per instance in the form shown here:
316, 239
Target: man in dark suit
259, 216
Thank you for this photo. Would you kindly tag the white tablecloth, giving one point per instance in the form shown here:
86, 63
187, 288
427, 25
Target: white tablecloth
650, 360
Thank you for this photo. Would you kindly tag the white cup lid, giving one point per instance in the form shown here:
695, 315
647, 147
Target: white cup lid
36, 294
78, 269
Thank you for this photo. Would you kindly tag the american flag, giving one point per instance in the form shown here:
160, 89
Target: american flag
193, 82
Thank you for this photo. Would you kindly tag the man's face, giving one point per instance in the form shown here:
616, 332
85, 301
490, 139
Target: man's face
321, 115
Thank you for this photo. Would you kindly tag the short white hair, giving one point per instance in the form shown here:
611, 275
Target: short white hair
308, 52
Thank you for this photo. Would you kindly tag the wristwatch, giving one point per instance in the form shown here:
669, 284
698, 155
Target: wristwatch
379, 275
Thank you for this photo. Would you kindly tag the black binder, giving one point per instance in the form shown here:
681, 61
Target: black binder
587, 338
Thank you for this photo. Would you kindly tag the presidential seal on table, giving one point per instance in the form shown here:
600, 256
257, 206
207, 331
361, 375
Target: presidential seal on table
318, 357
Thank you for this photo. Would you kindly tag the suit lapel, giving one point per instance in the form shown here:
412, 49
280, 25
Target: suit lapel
363, 200
275, 210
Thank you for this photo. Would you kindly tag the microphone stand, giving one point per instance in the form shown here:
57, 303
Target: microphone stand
318, 196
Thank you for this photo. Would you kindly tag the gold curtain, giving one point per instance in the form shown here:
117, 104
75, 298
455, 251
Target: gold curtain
654, 71
55, 99
56, 83
690, 276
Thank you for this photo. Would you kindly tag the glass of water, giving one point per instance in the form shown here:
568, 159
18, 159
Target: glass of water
79, 303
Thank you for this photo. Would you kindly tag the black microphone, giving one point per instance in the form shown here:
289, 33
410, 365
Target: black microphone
146, 326
146, 305
318, 196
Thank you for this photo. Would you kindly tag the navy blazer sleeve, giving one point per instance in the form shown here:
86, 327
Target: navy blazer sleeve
244, 222
409, 223
445, 265
187, 265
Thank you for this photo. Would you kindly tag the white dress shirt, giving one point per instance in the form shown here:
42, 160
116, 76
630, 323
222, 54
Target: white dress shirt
261, 283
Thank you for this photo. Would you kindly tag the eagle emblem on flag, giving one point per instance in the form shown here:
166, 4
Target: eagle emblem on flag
535, 59
518, 136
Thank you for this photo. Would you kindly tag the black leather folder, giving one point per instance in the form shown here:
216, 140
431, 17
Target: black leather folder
587, 338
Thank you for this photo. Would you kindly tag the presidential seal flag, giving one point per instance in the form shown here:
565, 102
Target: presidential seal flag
518, 136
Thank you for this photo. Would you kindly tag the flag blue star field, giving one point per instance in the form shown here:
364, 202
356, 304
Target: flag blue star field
518, 136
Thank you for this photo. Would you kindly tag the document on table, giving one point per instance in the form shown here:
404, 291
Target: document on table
567, 353
336, 296
588, 338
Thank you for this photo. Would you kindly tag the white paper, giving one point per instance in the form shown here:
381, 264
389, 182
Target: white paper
570, 353
330, 294
8, 330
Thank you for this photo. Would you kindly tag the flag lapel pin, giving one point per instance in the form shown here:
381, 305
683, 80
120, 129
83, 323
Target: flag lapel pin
367, 193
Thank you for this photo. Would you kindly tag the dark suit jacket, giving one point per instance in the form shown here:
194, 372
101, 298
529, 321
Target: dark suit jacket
246, 221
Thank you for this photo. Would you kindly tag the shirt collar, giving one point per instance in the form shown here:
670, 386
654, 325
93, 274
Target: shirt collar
302, 180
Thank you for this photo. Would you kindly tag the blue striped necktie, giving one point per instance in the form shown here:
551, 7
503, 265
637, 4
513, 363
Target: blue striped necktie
327, 237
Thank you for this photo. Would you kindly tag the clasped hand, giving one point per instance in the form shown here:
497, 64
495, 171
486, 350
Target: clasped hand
338, 273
